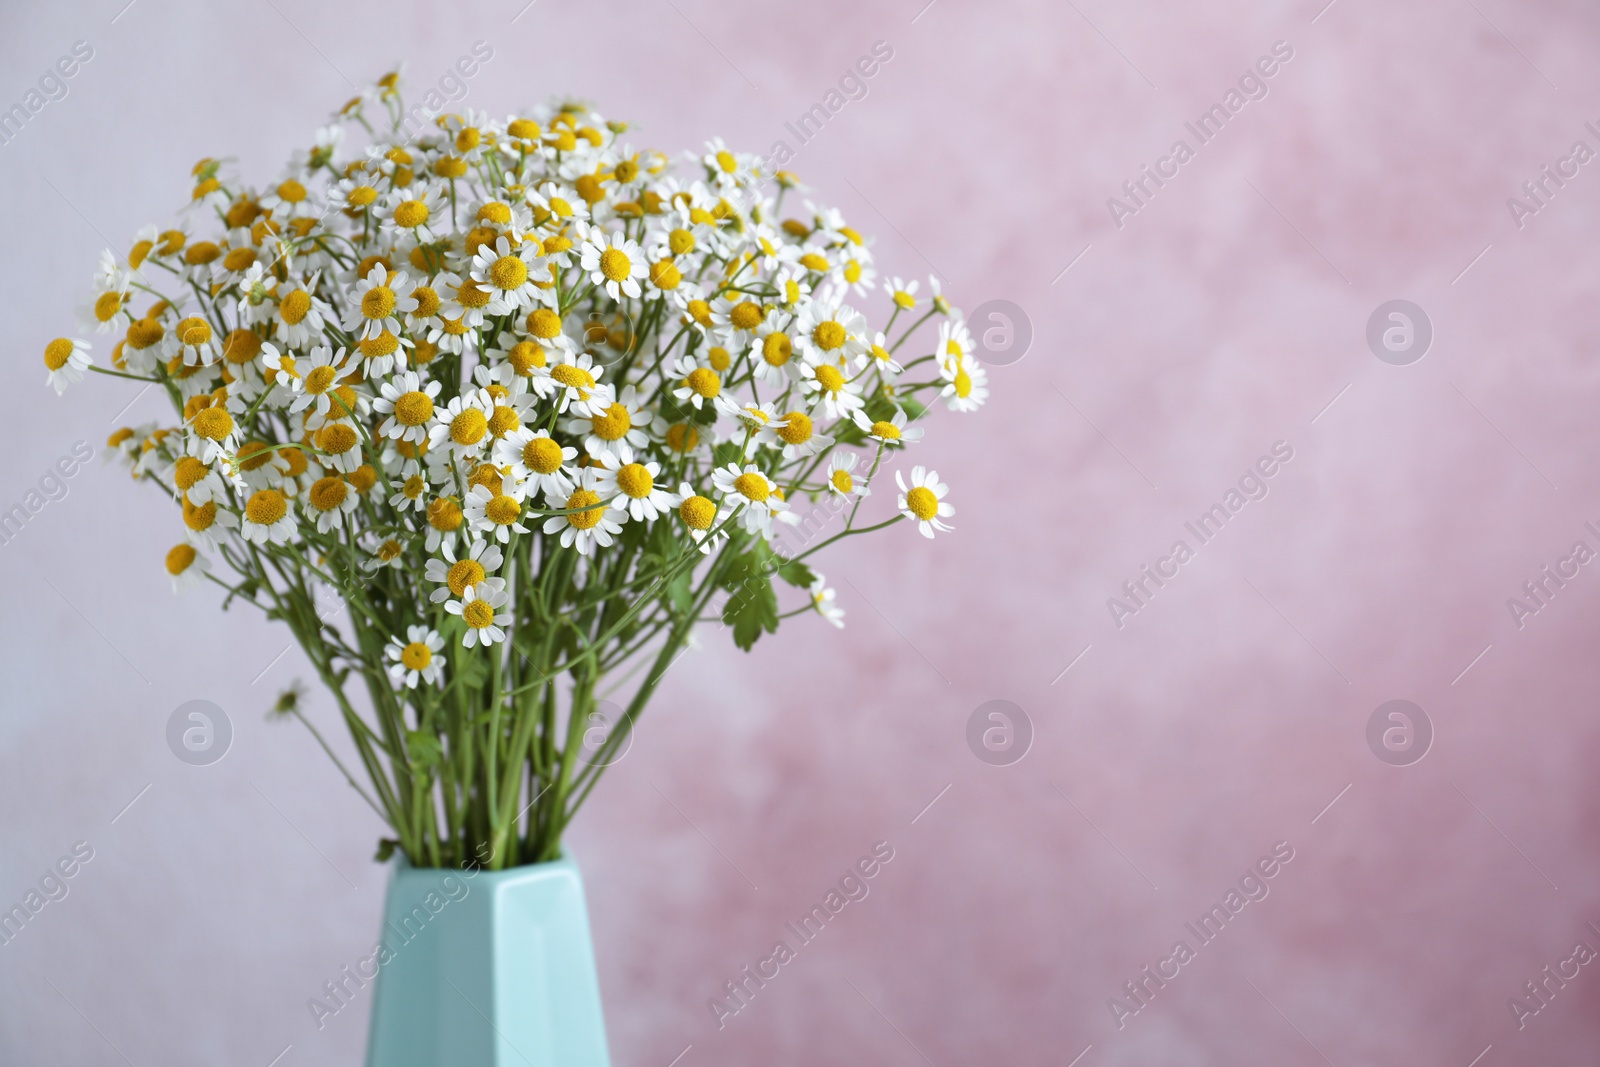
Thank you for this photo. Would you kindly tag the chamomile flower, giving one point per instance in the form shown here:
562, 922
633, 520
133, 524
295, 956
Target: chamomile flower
300, 315
703, 518
798, 437
832, 332
213, 431
842, 476
453, 574
903, 293
482, 609
330, 501
966, 384
631, 487
194, 340
577, 386
407, 401
339, 447
893, 432
462, 425
377, 300
417, 658
267, 518
186, 566
419, 213
66, 358
536, 459
823, 600
750, 489
314, 378
829, 387
617, 265
590, 522
509, 274
924, 500
289, 200
495, 514
697, 384
735, 319
772, 351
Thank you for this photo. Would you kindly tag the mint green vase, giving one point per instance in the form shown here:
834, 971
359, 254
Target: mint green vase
488, 969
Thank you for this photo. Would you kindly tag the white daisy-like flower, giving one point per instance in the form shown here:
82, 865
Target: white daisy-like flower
830, 386
941, 303
194, 339
463, 424
378, 300
881, 357
387, 553
338, 446
256, 466
842, 475
267, 518
186, 566
357, 193
631, 486
903, 293
735, 318
555, 201
761, 421
213, 432
314, 378
418, 658
823, 600
703, 518
412, 494
750, 488
416, 212
495, 514
454, 574
697, 384
620, 430
772, 351
798, 437
201, 483
591, 521
407, 401
924, 500
300, 315
65, 359
955, 344
893, 432
105, 312
509, 275
289, 200
464, 300
578, 390
480, 607
617, 266
730, 169
832, 332
331, 500
536, 459
966, 384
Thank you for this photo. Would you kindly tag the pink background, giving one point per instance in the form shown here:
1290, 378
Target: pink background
1222, 719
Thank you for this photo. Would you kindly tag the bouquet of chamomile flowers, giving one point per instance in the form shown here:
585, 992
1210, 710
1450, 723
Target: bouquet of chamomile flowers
531, 404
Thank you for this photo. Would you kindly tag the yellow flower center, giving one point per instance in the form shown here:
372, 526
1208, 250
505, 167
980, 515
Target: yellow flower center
337, 438
253, 455
852, 272
389, 550
413, 408
719, 359
469, 427
320, 379
842, 481
680, 242
665, 274
752, 486
726, 161
384, 344
378, 302
410, 213
472, 295
294, 307
584, 520
704, 382
427, 301
213, 423
963, 383
627, 171
503, 420
614, 264
328, 493
107, 305
201, 252
266, 507
179, 558
194, 331
544, 323
886, 430
361, 196
241, 346
239, 259
462, 574
682, 437
904, 300
145, 332
776, 349
573, 376
525, 356
829, 378
634, 479
542, 455
828, 335
614, 424
477, 614
509, 272
495, 212
746, 315
502, 510
812, 261
444, 514
292, 191
416, 656
923, 504
57, 352
199, 517
700, 312
698, 513
188, 473
413, 487
797, 429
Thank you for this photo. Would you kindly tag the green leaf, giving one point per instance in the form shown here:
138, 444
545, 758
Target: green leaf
423, 749
386, 847
752, 606
680, 590
796, 574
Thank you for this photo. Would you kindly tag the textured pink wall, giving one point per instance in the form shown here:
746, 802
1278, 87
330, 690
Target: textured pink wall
1224, 316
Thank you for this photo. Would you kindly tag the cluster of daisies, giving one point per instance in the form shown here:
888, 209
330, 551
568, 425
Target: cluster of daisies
447, 364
